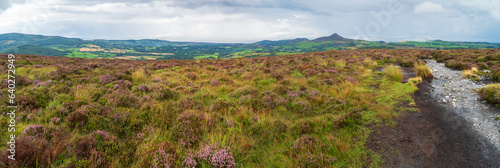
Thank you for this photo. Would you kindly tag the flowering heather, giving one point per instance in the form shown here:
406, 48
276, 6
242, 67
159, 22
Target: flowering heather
310, 72
271, 100
328, 81
332, 71
143, 88
191, 76
229, 123
119, 116
214, 82
145, 132
43, 83
35, 82
311, 160
156, 79
55, 120
352, 80
98, 157
188, 128
255, 119
105, 79
213, 155
304, 93
163, 159
100, 133
302, 107
190, 160
31, 117
116, 86
37, 131
246, 100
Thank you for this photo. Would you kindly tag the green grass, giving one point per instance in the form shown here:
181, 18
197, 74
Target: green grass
207, 56
32, 72
82, 55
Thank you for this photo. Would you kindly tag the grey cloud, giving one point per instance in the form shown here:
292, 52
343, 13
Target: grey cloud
6, 4
253, 20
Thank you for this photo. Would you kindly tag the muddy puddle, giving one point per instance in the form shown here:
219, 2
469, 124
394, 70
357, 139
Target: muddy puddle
459, 96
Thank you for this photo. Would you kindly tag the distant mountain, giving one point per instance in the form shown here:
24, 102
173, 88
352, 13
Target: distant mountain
161, 49
333, 37
14, 39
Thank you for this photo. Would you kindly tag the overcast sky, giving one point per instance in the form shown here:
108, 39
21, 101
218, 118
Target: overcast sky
255, 20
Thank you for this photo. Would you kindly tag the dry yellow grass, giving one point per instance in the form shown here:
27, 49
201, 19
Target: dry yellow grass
423, 71
393, 73
474, 70
415, 81
467, 73
139, 76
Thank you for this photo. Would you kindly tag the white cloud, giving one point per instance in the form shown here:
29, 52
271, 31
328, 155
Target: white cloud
495, 14
428, 7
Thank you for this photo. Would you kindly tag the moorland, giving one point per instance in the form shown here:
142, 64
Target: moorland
303, 110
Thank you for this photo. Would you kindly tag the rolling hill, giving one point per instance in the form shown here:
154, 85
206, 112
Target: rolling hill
154, 49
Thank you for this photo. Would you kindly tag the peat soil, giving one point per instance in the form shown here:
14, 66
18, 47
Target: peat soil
434, 136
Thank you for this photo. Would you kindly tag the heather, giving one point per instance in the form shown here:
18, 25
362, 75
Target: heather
471, 61
304, 110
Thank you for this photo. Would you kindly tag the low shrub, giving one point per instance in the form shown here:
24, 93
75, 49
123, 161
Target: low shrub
188, 128
191, 76
490, 93
83, 147
30, 152
164, 158
213, 155
167, 94
77, 119
37, 131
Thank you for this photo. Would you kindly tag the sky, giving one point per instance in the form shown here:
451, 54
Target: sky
246, 21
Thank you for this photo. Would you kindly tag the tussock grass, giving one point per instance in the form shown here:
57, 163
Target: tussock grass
423, 71
469, 72
139, 76
394, 73
340, 63
415, 81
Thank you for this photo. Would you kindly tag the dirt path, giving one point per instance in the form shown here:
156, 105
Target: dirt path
433, 137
